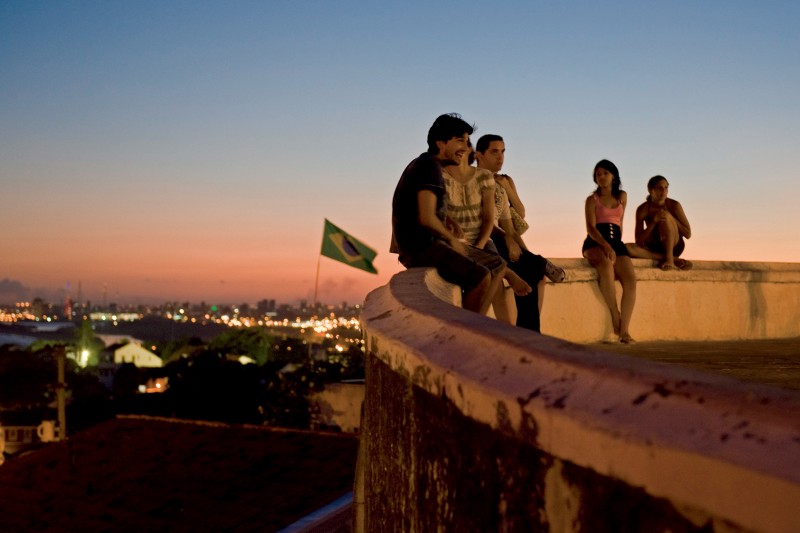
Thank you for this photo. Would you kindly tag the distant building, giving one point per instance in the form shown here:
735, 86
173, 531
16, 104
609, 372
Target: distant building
113, 316
110, 339
118, 354
265, 306
136, 354
338, 406
16, 438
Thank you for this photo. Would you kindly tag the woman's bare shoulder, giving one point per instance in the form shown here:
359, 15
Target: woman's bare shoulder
673, 203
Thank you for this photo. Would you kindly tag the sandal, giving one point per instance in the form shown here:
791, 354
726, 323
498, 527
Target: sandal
611, 338
554, 273
667, 266
683, 264
627, 339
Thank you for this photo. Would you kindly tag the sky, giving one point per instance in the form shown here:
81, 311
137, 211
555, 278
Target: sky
158, 151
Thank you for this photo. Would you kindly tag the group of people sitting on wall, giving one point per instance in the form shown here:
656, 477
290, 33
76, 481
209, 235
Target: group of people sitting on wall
467, 222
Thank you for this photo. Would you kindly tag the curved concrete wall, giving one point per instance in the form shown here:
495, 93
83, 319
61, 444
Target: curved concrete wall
473, 425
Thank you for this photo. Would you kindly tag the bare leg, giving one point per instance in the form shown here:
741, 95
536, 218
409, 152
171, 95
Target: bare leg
605, 279
502, 303
495, 286
643, 253
627, 277
668, 229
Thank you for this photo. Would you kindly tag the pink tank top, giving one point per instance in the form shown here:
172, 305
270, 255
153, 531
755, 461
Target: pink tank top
605, 215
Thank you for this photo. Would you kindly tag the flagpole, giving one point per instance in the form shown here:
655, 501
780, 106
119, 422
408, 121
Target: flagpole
316, 282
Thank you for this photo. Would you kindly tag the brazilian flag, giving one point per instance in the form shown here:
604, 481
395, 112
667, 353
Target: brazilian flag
339, 245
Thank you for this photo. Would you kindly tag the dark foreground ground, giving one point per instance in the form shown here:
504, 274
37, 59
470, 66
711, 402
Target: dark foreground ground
145, 474
772, 362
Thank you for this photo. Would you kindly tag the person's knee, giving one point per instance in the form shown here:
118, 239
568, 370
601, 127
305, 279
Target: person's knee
669, 227
499, 273
597, 259
605, 267
484, 284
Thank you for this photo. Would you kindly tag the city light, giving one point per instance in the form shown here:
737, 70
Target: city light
232, 316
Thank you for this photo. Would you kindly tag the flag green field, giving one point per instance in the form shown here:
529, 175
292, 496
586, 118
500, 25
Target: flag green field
341, 246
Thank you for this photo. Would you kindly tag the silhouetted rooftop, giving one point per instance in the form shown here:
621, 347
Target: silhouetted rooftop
148, 474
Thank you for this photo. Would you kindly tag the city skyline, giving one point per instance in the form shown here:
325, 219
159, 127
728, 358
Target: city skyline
191, 151
60, 298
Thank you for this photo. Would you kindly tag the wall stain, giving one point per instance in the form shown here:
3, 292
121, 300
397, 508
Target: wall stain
385, 314
659, 389
559, 402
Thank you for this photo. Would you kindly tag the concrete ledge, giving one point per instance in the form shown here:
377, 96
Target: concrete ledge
699, 450
716, 300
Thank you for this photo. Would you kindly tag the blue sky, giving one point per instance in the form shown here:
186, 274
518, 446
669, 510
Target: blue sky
191, 150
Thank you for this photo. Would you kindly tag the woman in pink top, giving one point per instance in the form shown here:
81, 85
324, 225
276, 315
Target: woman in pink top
603, 247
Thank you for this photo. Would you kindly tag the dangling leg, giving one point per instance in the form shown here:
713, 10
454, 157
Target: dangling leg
627, 277
668, 230
605, 279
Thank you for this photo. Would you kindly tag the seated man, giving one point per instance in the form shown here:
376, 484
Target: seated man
420, 231
490, 154
661, 226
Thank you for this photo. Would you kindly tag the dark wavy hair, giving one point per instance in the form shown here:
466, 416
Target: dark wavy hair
616, 183
445, 127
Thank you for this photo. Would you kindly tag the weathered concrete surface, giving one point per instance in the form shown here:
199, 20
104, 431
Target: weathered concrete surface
433, 469
469, 421
716, 300
773, 362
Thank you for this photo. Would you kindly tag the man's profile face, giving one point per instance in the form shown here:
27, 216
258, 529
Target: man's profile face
492, 158
453, 149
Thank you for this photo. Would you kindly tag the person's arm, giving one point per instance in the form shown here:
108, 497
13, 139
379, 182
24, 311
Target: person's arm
453, 227
511, 238
680, 219
644, 226
426, 204
511, 189
591, 222
487, 216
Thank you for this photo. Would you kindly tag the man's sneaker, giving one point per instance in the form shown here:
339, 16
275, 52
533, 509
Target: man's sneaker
554, 273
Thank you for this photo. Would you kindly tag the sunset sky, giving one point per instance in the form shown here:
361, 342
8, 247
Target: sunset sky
191, 150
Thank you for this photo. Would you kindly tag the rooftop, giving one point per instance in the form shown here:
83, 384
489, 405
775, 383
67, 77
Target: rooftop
155, 474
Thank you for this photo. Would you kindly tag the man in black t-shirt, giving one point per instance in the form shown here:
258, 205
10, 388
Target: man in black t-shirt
421, 232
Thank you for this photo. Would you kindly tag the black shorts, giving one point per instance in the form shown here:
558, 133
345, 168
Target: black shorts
612, 234
466, 271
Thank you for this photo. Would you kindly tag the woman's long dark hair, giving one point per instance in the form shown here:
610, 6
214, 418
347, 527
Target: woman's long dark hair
652, 183
616, 183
